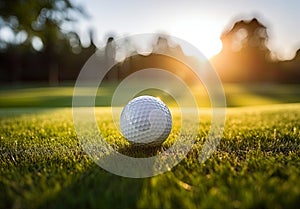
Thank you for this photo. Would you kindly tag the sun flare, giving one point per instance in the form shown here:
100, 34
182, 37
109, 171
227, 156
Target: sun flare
204, 35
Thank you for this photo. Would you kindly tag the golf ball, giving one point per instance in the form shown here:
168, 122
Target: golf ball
146, 120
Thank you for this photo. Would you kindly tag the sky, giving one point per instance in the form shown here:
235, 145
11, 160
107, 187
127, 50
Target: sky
199, 22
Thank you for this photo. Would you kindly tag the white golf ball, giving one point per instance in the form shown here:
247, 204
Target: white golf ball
146, 120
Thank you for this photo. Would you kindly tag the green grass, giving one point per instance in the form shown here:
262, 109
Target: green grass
256, 164
61, 96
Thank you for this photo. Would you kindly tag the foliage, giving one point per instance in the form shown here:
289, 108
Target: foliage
245, 56
44, 19
40, 41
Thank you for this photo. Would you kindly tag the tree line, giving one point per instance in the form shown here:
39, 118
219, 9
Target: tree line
245, 56
34, 46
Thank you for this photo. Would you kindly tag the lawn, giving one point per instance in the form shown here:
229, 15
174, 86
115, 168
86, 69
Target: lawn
256, 164
61, 96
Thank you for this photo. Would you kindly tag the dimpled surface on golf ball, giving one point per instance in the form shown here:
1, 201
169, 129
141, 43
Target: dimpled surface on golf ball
146, 120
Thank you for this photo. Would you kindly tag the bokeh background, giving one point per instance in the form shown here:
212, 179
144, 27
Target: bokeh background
254, 47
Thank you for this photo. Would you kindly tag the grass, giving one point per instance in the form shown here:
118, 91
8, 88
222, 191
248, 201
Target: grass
256, 164
61, 96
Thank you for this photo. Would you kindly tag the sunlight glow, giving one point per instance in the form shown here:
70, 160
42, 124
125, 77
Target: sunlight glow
204, 35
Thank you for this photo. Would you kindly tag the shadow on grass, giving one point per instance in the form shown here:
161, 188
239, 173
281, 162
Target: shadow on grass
98, 189
14, 112
281, 93
261, 94
141, 151
50, 101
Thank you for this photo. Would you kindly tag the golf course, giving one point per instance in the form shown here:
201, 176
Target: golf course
149, 104
256, 164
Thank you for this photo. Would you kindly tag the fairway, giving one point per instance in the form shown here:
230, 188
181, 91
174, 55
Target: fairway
256, 165
61, 96
149, 104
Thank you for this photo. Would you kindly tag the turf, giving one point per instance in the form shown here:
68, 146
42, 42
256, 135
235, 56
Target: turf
61, 96
256, 164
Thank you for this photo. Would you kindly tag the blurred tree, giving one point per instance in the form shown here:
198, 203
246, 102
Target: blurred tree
244, 56
44, 19
39, 25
